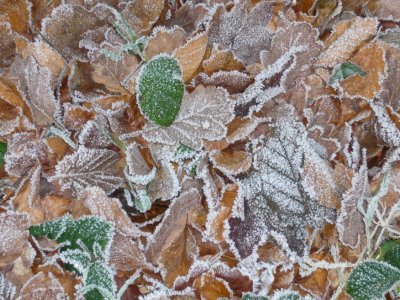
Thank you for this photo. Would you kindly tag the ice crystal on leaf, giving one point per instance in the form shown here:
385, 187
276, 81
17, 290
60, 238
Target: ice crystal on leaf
88, 167
276, 197
242, 31
160, 90
35, 85
371, 280
203, 115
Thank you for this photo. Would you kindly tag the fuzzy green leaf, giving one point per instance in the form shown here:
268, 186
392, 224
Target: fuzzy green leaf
3, 150
371, 280
160, 90
99, 282
344, 71
391, 253
248, 297
52, 229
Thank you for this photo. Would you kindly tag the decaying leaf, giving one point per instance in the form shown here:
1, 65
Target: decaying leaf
232, 162
243, 32
42, 286
88, 167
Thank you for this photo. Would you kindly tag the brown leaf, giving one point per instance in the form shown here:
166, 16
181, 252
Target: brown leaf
191, 55
233, 81
125, 254
370, 58
13, 236
54, 207
17, 13
142, 14
94, 201
347, 38
243, 32
232, 162
165, 184
165, 41
389, 9
7, 45
42, 286
188, 17
208, 287
390, 93
221, 60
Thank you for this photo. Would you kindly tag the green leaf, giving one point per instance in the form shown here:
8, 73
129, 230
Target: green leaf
371, 280
142, 201
76, 260
89, 230
52, 229
3, 150
286, 295
248, 297
390, 253
345, 70
99, 283
160, 90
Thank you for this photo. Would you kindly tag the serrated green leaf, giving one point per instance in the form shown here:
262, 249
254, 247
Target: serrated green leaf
76, 260
160, 90
142, 201
51, 229
371, 279
344, 71
100, 282
3, 150
88, 230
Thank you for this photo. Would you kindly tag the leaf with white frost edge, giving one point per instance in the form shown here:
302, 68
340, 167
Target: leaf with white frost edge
274, 198
88, 167
7, 289
204, 114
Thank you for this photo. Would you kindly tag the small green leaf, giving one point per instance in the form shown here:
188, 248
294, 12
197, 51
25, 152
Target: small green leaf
142, 201
3, 150
76, 260
99, 283
248, 297
160, 90
286, 295
345, 70
371, 280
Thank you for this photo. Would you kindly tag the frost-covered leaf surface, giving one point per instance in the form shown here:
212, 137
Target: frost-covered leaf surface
88, 167
193, 149
160, 90
371, 280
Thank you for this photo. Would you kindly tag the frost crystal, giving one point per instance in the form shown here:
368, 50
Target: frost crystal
88, 167
276, 196
7, 289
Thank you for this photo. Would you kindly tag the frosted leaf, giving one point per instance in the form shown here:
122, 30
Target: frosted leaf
276, 196
243, 32
125, 254
99, 282
78, 259
62, 23
234, 81
94, 201
7, 289
95, 133
138, 169
371, 280
24, 151
391, 36
176, 217
203, 115
3, 150
302, 40
341, 47
165, 40
387, 130
350, 224
35, 85
389, 9
88, 167
42, 286
286, 295
345, 70
390, 253
165, 184
13, 236
143, 201
93, 232
160, 89
189, 16
390, 93
7, 46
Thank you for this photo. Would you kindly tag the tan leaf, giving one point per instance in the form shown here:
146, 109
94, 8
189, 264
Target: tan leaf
17, 13
178, 257
94, 201
209, 288
165, 41
188, 17
191, 55
42, 286
233, 81
221, 60
54, 207
231, 162
7, 45
13, 236
371, 59
176, 218
10, 94
344, 42
165, 184
125, 254
390, 93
